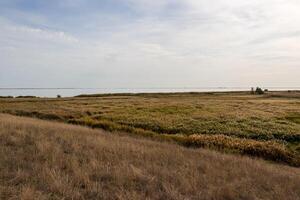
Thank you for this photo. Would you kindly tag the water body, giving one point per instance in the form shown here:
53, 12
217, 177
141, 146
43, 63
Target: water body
70, 92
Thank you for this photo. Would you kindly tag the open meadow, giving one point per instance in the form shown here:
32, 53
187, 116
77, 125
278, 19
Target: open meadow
266, 126
149, 100
49, 160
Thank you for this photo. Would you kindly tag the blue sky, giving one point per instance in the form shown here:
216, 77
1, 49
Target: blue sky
142, 43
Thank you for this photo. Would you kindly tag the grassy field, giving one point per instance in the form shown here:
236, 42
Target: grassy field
266, 126
50, 160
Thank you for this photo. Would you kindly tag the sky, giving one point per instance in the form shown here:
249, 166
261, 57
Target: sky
149, 43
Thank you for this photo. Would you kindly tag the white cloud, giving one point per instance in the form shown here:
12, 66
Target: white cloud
169, 43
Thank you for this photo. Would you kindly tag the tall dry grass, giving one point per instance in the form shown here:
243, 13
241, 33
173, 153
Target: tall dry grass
265, 126
47, 160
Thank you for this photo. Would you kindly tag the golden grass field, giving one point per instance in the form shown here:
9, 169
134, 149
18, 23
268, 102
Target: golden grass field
266, 126
49, 160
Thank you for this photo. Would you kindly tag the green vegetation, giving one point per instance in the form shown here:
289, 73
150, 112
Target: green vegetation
259, 125
28, 97
5, 97
260, 91
294, 117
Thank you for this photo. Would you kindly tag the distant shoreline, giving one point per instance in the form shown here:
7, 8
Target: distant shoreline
134, 88
71, 92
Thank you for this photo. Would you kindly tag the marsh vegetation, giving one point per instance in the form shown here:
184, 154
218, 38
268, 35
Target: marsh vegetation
264, 126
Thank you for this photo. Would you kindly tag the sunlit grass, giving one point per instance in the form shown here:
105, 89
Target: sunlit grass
48, 160
271, 118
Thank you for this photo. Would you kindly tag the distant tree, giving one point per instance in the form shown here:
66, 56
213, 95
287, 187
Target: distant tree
58, 96
266, 90
27, 97
259, 91
252, 90
6, 97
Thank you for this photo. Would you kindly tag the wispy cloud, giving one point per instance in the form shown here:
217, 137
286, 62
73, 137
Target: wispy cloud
119, 43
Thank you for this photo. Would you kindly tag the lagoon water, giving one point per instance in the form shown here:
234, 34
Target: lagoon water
70, 92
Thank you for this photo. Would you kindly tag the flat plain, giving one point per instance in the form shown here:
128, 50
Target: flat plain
265, 126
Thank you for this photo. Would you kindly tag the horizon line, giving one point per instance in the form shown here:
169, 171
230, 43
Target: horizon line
78, 88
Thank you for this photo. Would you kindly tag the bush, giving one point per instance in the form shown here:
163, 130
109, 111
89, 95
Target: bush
259, 91
6, 97
29, 97
58, 96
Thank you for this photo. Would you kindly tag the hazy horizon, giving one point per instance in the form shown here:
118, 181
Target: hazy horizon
149, 44
70, 92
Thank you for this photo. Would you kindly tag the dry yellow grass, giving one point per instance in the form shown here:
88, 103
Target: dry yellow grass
49, 160
265, 126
